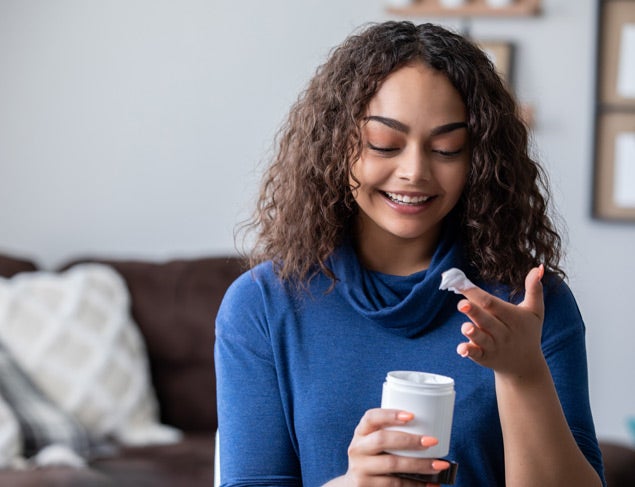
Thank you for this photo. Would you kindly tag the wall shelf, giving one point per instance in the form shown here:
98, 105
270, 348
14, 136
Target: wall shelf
473, 8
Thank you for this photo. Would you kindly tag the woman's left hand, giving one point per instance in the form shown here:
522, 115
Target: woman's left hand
503, 336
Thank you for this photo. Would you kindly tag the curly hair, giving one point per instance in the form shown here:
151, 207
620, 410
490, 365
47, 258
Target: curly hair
306, 207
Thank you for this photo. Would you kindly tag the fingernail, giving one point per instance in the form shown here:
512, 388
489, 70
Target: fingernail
465, 307
467, 328
462, 351
541, 271
429, 441
404, 416
440, 465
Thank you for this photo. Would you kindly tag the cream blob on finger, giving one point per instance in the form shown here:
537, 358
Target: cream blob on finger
456, 281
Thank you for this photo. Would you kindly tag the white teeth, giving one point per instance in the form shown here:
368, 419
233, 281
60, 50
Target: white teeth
413, 200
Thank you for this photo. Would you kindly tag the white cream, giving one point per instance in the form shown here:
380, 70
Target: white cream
455, 280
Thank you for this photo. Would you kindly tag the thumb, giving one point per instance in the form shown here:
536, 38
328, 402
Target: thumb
534, 300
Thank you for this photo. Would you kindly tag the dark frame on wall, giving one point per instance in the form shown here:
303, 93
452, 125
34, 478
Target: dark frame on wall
615, 166
614, 161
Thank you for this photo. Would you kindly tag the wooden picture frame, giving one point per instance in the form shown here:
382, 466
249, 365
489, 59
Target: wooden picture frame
614, 180
617, 53
614, 163
501, 54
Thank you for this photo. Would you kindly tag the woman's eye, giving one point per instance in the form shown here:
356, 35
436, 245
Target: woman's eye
445, 153
382, 149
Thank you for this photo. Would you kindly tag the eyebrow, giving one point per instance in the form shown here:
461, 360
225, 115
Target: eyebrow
389, 122
402, 127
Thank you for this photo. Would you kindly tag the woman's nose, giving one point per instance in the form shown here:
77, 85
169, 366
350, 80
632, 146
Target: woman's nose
414, 166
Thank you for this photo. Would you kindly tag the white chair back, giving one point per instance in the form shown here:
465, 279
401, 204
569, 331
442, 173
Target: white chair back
216, 462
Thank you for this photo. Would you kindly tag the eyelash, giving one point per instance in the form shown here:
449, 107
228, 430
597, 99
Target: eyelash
384, 150
388, 150
448, 153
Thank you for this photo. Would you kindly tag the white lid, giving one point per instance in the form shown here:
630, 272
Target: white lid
421, 379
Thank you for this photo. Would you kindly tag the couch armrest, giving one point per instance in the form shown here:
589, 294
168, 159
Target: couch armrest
619, 464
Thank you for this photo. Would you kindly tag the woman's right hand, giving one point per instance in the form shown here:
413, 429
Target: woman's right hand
368, 463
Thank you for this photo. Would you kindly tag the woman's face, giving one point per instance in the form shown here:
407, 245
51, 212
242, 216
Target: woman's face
415, 158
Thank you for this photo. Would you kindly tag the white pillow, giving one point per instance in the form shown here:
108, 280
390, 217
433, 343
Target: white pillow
10, 437
73, 334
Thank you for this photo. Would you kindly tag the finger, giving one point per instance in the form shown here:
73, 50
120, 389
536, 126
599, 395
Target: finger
400, 464
534, 300
484, 320
398, 481
376, 419
482, 307
424, 469
484, 300
406, 483
455, 280
384, 440
477, 336
470, 350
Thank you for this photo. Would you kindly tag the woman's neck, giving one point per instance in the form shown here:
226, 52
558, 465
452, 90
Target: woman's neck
393, 255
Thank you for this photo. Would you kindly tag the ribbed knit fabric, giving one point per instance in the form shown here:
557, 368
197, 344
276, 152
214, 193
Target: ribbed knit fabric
296, 372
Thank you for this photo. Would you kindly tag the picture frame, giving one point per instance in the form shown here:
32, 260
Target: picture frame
501, 53
614, 181
616, 61
614, 154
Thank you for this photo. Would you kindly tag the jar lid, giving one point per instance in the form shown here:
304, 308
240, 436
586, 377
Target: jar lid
422, 379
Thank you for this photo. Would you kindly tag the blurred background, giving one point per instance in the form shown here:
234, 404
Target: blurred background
138, 128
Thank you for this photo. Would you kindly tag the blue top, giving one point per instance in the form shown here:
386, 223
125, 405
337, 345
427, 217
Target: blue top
296, 371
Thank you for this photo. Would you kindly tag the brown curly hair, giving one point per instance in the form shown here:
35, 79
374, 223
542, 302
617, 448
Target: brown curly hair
306, 208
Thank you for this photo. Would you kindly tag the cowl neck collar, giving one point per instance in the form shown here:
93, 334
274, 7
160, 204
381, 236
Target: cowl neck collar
406, 306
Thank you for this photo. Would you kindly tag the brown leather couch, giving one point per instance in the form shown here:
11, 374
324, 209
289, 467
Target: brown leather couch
175, 304
619, 464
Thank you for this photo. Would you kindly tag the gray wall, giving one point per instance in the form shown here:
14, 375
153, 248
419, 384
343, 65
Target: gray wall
136, 128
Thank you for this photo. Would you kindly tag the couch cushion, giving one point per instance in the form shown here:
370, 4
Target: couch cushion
175, 305
57, 477
188, 463
73, 334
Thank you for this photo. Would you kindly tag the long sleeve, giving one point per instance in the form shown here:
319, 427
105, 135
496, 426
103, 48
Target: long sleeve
565, 351
254, 431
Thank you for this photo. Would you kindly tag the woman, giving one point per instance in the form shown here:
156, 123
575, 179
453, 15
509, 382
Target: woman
404, 157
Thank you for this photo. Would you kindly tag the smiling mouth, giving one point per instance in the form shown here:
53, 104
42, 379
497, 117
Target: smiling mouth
403, 199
